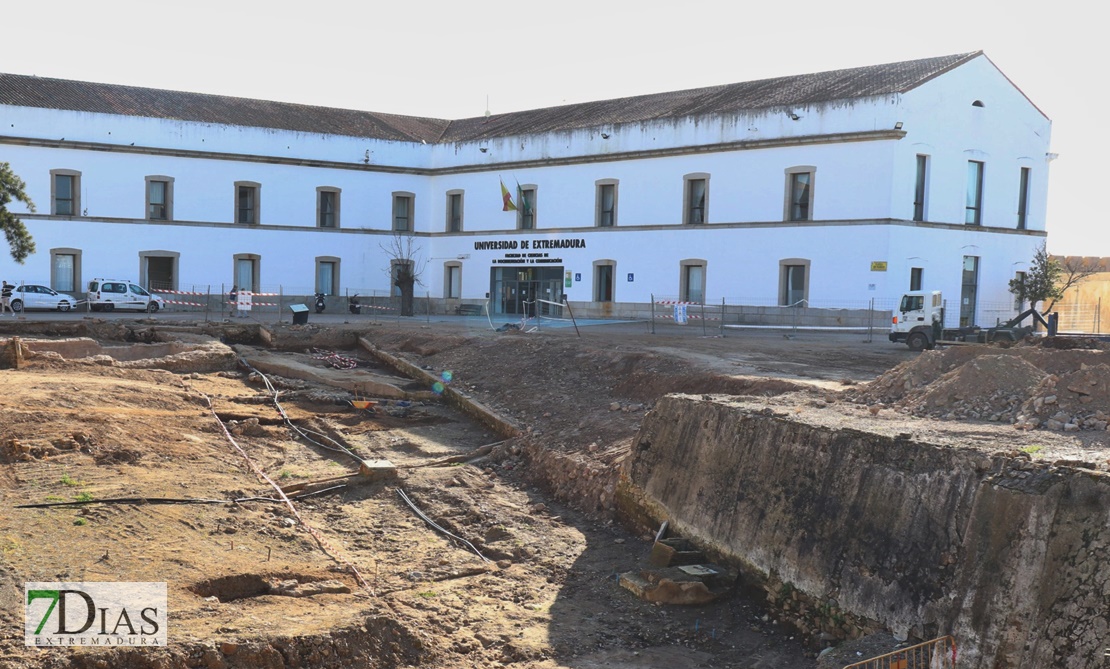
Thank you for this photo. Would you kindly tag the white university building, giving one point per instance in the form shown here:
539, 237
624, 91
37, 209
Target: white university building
827, 191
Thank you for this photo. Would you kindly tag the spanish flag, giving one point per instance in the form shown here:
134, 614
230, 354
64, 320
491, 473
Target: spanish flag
506, 199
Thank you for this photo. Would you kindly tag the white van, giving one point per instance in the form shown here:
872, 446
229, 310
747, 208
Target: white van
109, 294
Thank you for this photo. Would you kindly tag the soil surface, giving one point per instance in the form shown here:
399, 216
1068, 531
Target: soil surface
520, 569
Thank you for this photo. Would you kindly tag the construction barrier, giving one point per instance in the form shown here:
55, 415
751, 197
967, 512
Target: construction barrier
939, 653
681, 312
245, 300
183, 302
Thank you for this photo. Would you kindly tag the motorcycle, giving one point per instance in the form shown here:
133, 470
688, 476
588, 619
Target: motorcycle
320, 303
353, 305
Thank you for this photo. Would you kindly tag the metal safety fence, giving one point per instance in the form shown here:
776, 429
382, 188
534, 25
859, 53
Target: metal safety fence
1080, 318
939, 653
732, 313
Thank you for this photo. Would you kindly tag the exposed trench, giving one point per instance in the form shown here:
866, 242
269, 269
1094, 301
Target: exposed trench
847, 531
853, 529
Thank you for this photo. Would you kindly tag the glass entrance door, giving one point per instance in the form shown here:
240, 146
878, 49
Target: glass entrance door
969, 290
526, 291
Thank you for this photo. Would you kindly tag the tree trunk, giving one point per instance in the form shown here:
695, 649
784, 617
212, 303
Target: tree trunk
407, 301
406, 283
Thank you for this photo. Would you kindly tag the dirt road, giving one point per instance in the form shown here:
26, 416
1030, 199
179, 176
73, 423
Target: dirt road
352, 576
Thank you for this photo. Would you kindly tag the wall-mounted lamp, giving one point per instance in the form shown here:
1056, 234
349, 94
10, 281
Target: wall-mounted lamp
898, 125
793, 116
482, 149
604, 135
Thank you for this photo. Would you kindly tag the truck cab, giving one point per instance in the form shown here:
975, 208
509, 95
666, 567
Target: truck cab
918, 319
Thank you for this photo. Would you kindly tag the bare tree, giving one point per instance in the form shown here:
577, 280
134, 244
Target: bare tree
405, 267
1073, 270
12, 188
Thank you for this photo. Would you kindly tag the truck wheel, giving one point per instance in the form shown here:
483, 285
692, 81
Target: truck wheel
151, 307
917, 342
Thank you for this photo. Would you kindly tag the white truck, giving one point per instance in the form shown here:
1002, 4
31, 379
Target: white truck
919, 322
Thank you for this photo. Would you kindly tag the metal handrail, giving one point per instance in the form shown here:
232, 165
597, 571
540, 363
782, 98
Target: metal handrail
921, 656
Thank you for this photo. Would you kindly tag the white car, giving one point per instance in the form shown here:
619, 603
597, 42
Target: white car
31, 296
111, 294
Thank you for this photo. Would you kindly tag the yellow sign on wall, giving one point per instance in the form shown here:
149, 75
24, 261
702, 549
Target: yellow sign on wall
878, 265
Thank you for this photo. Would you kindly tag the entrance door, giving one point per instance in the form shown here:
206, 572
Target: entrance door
969, 290
526, 291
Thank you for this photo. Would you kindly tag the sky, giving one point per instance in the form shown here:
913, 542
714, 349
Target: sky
447, 59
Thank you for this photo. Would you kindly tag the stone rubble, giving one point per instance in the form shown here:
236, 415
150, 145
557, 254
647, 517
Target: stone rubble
1030, 387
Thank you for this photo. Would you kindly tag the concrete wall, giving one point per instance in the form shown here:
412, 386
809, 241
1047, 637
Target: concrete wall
919, 538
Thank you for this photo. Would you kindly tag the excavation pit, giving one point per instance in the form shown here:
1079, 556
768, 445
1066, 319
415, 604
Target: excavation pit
173, 356
248, 586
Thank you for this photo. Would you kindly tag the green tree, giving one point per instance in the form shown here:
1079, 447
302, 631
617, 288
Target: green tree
1039, 283
12, 188
1049, 278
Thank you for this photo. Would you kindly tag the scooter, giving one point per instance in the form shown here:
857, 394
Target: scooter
320, 303
353, 305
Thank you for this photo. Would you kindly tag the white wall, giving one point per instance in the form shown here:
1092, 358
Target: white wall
1006, 133
863, 195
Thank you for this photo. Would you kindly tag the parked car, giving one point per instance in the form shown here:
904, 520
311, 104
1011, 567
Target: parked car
110, 294
33, 296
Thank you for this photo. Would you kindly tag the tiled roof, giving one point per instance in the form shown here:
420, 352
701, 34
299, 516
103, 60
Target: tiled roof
793, 91
28, 91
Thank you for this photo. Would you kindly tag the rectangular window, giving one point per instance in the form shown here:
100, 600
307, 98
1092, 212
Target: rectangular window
65, 195
65, 267
328, 210
527, 208
793, 285
397, 270
694, 283
244, 274
246, 206
916, 274
402, 213
1019, 297
454, 212
156, 208
1023, 198
325, 277
799, 196
973, 209
919, 189
695, 201
454, 281
606, 205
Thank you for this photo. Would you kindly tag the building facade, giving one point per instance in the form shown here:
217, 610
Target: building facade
828, 189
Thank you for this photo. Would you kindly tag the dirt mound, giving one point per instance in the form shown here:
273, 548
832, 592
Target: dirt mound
1060, 388
989, 384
